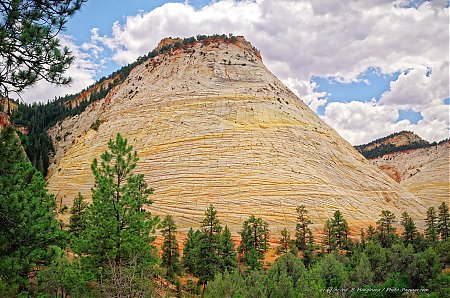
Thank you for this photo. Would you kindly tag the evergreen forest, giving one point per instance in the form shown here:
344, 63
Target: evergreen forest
108, 248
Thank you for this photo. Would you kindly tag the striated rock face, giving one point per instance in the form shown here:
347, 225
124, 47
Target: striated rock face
425, 172
212, 125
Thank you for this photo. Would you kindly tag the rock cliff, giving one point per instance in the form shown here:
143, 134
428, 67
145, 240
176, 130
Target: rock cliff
212, 125
425, 172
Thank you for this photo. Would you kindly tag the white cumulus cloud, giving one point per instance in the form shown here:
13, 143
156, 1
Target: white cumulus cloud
82, 71
300, 39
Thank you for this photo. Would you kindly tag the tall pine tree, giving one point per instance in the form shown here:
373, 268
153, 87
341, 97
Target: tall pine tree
227, 251
254, 242
444, 221
29, 230
119, 231
208, 262
431, 225
328, 239
190, 251
170, 254
301, 229
77, 216
409, 229
339, 229
386, 229
285, 241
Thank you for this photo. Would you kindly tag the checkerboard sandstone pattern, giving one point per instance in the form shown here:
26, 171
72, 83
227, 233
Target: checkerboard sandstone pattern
212, 125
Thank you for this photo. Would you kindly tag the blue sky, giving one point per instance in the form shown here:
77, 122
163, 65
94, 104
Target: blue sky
103, 13
369, 85
367, 68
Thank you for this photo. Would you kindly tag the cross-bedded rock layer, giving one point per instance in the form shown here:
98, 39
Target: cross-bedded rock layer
425, 172
212, 125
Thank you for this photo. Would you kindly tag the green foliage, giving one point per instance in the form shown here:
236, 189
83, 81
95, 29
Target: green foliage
170, 254
328, 239
285, 241
332, 272
192, 287
371, 233
284, 275
226, 285
362, 274
399, 257
409, 229
77, 223
431, 230
301, 229
208, 262
254, 242
227, 252
29, 229
386, 229
62, 278
28, 41
190, 251
209, 251
424, 267
440, 285
95, 126
339, 230
287, 277
117, 244
382, 149
378, 260
444, 221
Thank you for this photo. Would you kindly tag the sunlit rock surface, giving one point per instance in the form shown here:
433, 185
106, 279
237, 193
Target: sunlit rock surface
425, 172
212, 125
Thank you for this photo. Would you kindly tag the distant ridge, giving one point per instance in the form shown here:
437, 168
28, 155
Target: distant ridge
399, 141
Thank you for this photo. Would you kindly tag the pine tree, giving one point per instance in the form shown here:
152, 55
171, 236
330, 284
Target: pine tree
409, 229
362, 274
339, 229
30, 45
227, 252
170, 254
308, 253
119, 231
385, 228
285, 241
431, 225
208, 262
77, 223
29, 230
254, 242
190, 251
371, 233
362, 237
301, 230
328, 238
444, 221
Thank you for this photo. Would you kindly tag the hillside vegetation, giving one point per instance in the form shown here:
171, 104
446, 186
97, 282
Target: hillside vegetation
112, 254
399, 141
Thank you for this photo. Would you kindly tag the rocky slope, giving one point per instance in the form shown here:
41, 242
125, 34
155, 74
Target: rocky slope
212, 125
399, 141
425, 172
